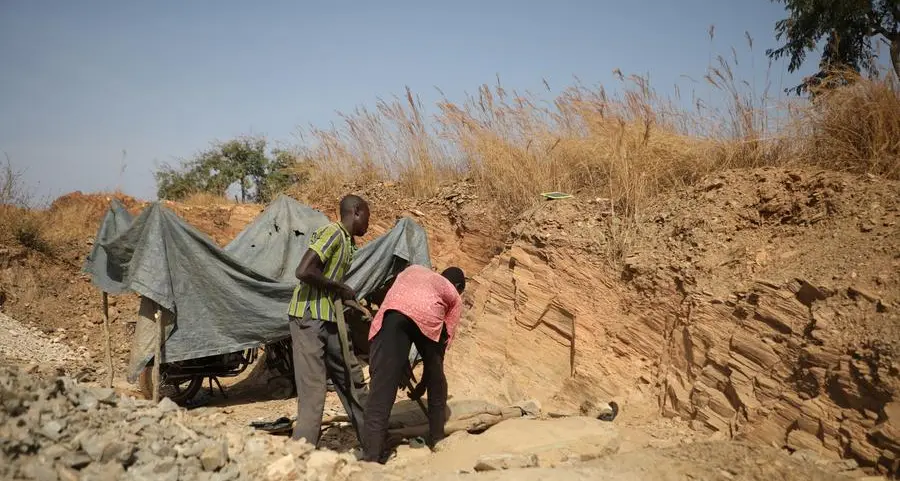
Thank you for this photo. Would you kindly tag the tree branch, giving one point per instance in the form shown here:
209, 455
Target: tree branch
878, 28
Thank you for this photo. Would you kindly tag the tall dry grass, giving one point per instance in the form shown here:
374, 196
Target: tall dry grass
18, 224
628, 147
28, 222
854, 128
395, 141
629, 143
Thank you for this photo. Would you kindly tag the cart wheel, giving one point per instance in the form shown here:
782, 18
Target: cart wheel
179, 393
281, 387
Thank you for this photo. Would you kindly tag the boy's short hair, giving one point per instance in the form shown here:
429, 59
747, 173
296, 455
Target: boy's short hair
456, 276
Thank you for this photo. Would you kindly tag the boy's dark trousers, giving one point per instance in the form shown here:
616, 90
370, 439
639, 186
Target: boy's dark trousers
388, 364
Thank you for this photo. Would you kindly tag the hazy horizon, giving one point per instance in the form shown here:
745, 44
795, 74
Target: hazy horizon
88, 90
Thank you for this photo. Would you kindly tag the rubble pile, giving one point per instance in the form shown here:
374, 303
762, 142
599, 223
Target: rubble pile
57, 430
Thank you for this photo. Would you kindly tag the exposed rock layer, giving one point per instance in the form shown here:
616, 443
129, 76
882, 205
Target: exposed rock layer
762, 304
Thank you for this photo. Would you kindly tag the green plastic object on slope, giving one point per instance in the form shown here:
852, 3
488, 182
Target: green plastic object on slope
556, 195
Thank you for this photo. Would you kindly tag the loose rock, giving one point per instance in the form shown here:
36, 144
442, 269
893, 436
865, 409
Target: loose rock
57, 430
496, 462
214, 457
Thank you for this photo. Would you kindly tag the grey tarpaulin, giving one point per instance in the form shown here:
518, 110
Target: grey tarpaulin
276, 240
231, 299
116, 221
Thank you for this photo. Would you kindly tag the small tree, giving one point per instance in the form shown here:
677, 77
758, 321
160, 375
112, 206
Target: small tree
850, 29
241, 161
279, 175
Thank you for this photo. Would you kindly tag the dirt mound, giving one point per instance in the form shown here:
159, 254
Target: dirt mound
761, 305
81, 201
222, 222
462, 228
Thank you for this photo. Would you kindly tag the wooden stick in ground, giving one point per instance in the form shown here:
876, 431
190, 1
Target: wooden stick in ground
157, 360
109, 364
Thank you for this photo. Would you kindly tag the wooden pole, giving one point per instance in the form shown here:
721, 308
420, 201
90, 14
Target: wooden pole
109, 364
157, 360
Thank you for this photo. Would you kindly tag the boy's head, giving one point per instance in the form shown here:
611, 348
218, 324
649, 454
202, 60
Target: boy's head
355, 214
457, 277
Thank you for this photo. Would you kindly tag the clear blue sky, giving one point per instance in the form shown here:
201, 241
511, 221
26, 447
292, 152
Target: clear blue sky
83, 81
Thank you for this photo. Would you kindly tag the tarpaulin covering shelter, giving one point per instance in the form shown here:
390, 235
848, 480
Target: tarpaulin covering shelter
233, 298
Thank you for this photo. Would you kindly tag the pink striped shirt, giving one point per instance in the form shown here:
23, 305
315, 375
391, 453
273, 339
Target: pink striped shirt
427, 298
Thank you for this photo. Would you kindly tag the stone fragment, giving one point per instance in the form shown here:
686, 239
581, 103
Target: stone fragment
191, 450
158, 469
299, 449
497, 462
228, 473
103, 472
753, 349
859, 292
107, 448
451, 440
801, 441
75, 460
190, 464
66, 474
54, 452
323, 465
87, 401
105, 395
283, 469
214, 456
39, 471
531, 407
162, 450
167, 405
256, 446
52, 430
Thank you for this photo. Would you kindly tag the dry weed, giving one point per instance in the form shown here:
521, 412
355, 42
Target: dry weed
205, 199
854, 128
627, 147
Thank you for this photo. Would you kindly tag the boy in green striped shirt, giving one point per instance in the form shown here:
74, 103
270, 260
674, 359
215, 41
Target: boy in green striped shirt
314, 335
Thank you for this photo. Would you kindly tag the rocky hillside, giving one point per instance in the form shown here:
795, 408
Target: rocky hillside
761, 304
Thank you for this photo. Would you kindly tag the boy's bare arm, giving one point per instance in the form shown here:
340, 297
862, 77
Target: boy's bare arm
310, 271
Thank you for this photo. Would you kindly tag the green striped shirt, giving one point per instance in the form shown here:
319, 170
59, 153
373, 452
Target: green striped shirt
334, 246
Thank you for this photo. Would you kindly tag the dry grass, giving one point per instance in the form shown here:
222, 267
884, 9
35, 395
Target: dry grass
854, 129
18, 224
511, 146
628, 147
62, 228
205, 199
